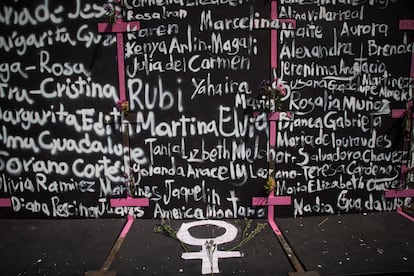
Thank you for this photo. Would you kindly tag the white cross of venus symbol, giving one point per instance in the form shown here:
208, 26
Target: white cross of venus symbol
209, 260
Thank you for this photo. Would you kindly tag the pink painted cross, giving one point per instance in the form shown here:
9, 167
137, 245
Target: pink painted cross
273, 117
120, 27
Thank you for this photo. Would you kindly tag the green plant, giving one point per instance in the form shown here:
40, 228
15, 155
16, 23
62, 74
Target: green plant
167, 230
246, 237
270, 185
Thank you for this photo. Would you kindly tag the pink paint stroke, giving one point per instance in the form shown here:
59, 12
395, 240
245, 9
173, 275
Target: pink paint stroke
400, 113
412, 66
118, 27
406, 24
5, 202
259, 201
402, 213
127, 227
397, 113
289, 22
273, 36
276, 200
273, 116
399, 193
280, 200
271, 217
129, 202
273, 130
121, 68
403, 168
403, 172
